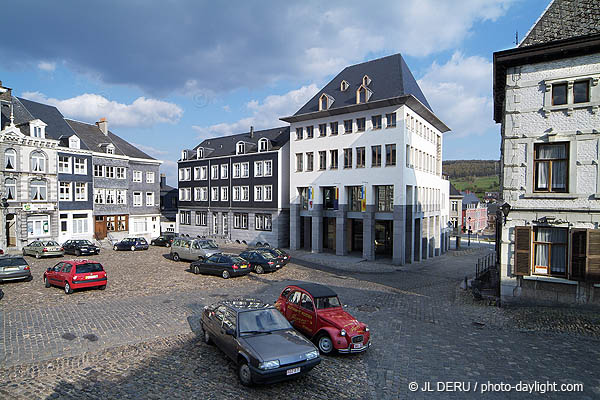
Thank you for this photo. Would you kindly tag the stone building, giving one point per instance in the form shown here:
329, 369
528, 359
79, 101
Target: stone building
456, 218
547, 98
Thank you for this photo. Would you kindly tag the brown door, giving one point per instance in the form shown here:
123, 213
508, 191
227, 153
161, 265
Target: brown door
11, 231
100, 228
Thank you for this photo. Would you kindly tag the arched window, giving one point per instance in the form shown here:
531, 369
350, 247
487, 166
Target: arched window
199, 153
323, 103
344, 85
263, 144
240, 148
362, 95
11, 188
38, 161
10, 159
38, 190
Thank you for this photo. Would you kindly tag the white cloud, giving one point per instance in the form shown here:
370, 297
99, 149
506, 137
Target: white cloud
150, 150
460, 94
47, 66
91, 107
264, 114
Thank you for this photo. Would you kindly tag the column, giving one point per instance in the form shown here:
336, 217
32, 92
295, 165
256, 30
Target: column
317, 228
295, 226
398, 245
418, 239
369, 233
341, 231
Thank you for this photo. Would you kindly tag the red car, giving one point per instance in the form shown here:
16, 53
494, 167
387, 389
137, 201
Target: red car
316, 311
76, 274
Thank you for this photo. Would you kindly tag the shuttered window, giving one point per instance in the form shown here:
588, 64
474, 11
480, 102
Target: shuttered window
522, 250
585, 255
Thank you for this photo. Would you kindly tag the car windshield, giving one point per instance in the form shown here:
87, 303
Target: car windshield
50, 243
259, 321
268, 256
83, 242
88, 267
12, 262
327, 302
209, 244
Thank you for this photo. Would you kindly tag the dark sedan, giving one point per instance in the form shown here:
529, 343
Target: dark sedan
163, 240
259, 339
14, 268
80, 247
225, 265
261, 261
132, 244
281, 255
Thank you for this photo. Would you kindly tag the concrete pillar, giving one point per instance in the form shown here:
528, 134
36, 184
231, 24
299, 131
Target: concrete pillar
317, 228
369, 233
438, 237
425, 238
307, 232
341, 231
418, 239
294, 226
398, 249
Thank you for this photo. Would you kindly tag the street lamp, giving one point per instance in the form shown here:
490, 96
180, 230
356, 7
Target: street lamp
469, 231
505, 210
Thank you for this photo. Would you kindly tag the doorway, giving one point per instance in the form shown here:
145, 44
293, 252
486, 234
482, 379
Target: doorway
11, 230
356, 234
384, 232
100, 227
329, 233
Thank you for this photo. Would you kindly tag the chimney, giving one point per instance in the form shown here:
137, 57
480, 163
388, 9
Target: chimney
252, 132
163, 180
103, 125
5, 93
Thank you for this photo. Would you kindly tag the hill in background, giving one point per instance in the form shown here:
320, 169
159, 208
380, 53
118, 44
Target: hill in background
477, 176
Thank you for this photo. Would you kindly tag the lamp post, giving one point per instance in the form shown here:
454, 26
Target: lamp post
469, 232
505, 210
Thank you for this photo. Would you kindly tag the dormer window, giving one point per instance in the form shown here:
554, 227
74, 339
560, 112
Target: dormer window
199, 153
74, 142
325, 101
37, 129
363, 94
183, 155
110, 149
344, 86
263, 144
240, 148
366, 80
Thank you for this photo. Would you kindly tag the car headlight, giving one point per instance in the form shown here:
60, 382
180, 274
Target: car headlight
366, 329
269, 364
343, 332
312, 355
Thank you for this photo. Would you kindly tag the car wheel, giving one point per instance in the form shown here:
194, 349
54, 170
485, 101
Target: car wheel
205, 335
46, 283
225, 274
175, 257
259, 269
196, 270
68, 289
244, 373
102, 287
38, 255
132, 248
115, 248
77, 252
325, 344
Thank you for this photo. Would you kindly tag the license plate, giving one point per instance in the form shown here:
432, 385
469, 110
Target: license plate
91, 276
358, 346
243, 266
292, 371
11, 268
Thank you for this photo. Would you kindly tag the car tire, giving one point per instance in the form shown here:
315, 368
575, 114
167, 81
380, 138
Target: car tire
68, 289
102, 287
225, 274
259, 269
46, 283
115, 248
196, 270
175, 257
244, 373
205, 335
77, 252
132, 248
38, 255
325, 344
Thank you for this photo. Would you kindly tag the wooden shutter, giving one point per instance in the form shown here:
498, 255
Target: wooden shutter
522, 251
579, 250
593, 256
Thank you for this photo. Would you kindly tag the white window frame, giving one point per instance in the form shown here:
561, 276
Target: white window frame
137, 176
149, 177
41, 161
237, 193
137, 199
224, 171
197, 192
99, 195
121, 196
268, 193
224, 193
40, 189
64, 191
204, 173
204, 194
214, 193
214, 172
80, 191
111, 196
237, 170
98, 171
120, 173
64, 167
196, 173
258, 169
245, 193
150, 199
258, 193
44, 220
268, 168
78, 168
240, 148
245, 169
10, 154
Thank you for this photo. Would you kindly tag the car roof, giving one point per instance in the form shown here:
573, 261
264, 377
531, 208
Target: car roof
79, 261
316, 290
241, 305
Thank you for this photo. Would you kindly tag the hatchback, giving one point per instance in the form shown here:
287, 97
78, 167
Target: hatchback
14, 268
76, 274
225, 265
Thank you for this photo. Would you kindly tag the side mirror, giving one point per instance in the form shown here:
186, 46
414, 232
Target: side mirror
230, 332
49, 269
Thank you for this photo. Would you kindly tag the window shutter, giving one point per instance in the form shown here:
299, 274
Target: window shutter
579, 240
522, 250
593, 256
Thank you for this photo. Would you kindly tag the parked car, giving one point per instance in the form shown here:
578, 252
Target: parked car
261, 261
166, 239
14, 268
225, 265
76, 274
132, 244
281, 255
47, 248
255, 336
193, 249
316, 311
80, 247
1, 252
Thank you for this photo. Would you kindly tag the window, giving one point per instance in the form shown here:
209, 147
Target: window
258, 193
185, 194
64, 164
391, 120
224, 193
215, 223
74, 142
330, 198
310, 159
559, 94
355, 196
237, 191
214, 172
240, 221
11, 188
245, 193
334, 128
64, 191
80, 191
196, 173
149, 199
110, 196
120, 172
37, 132
38, 161
240, 148
322, 160
203, 173
303, 194
245, 170
224, 171
185, 217
197, 194
550, 251
140, 225
361, 124
214, 194
268, 195
390, 155
263, 144
310, 132
258, 168
109, 172
38, 225
360, 157
137, 199
199, 153
122, 197
347, 158
10, 159
99, 195
80, 166
322, 130
581, 92
203, 194
137, 175
110, 149
334, 159
550, 163
376, 121
384, 198
38, 190
99, 171
268, 168
344, 86
361, 95
299, 162
201, 218
376, 156
299, 133
237, 170
348, 126
409, 156
149, 177
263, 222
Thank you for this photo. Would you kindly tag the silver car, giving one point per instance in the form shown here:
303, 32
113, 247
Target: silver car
193, 249
41, 249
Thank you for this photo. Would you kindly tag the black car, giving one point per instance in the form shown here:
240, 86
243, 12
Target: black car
281, 255
80, 247
132, 244
14, 268
225, 265
259, 339
261, 261
163, 240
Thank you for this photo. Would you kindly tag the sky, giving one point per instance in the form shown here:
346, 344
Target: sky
169, 74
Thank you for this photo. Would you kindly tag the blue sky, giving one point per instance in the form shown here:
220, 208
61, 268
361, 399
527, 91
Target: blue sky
170, 74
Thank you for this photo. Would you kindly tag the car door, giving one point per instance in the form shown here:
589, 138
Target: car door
53, 275
65, 273
221, 265
208, 265
293, 305
195, 251
309, 315
216, 326
230, 342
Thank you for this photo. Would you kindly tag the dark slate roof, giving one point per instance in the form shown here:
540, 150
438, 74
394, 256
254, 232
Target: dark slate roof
564, 19
390, 77
469, 198
226, 145
453, 191
317, 290
93, 137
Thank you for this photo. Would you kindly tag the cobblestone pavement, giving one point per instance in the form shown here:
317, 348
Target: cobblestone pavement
134, 339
